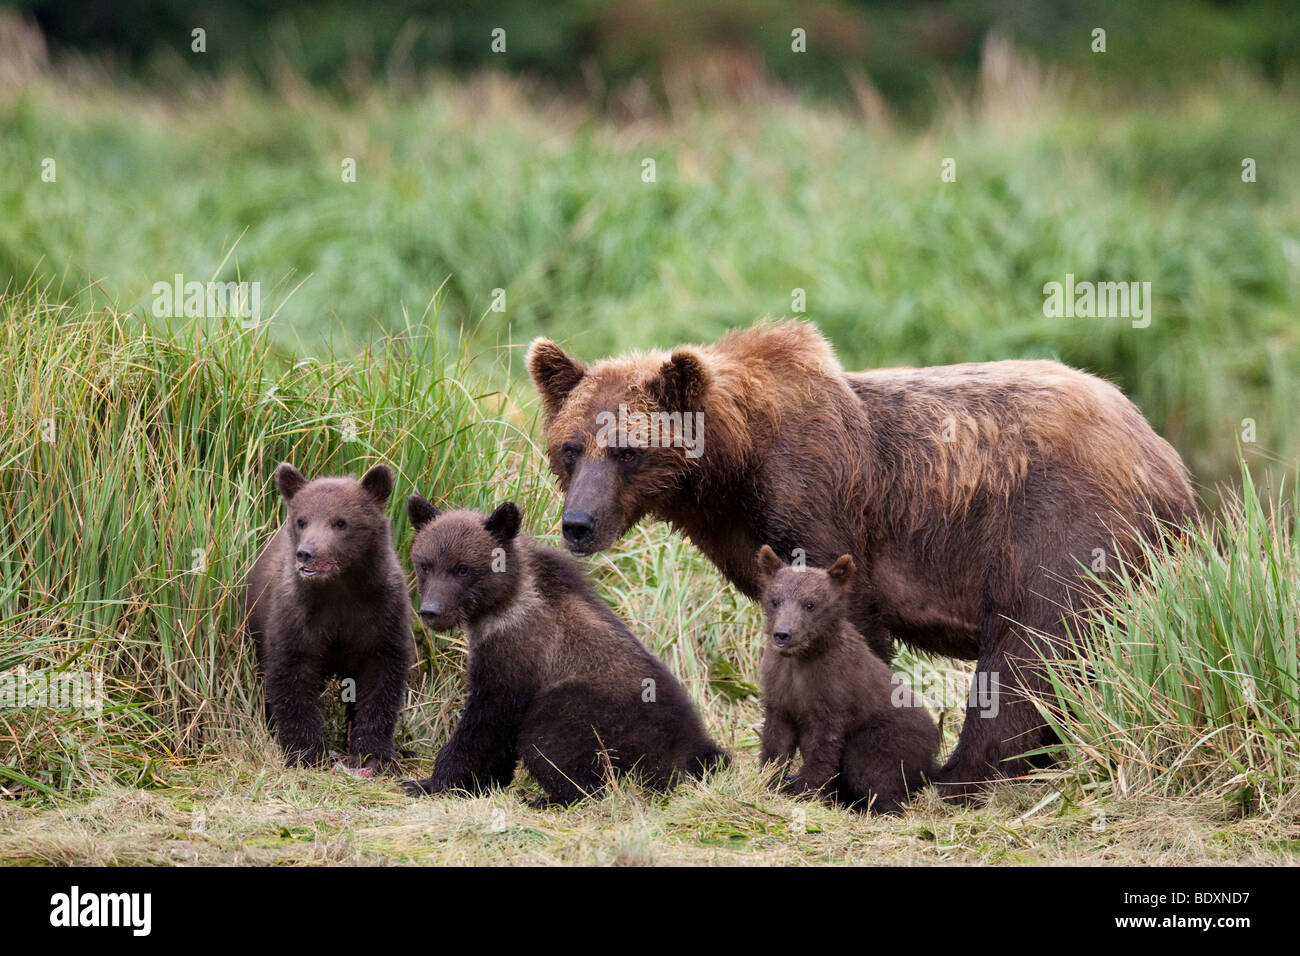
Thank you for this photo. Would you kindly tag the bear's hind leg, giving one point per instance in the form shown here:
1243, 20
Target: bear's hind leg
560, 744
1002, 721
705, 757
874, 774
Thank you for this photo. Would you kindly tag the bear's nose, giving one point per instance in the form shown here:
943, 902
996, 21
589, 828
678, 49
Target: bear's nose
430, 609
306, 553
781, 636
578, 526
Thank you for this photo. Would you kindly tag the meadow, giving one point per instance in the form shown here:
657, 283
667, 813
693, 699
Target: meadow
136, 450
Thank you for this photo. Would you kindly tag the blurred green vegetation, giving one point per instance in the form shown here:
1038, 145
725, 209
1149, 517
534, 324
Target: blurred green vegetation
488, 183
601, 46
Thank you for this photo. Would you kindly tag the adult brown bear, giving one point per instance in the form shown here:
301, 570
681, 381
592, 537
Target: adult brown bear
971, 497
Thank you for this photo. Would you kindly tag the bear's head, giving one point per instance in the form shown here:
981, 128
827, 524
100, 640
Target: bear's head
803, 606
622, 436
465, 565
336, 525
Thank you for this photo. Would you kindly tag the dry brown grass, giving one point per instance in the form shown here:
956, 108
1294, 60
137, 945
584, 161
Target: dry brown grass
239, 810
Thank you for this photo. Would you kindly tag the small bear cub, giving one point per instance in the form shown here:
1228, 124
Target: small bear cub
328, 598
554, 677
829, 695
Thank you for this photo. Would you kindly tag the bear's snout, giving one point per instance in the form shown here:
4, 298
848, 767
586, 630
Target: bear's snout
434, 616
308, 566
579, 527
781, 636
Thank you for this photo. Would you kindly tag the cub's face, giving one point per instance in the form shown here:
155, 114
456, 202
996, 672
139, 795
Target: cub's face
336, 525
464, 562
803, 606
621, 436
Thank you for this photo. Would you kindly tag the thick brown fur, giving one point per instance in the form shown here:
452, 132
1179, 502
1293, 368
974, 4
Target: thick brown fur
866, 742
327, 600
970, 496
554, 677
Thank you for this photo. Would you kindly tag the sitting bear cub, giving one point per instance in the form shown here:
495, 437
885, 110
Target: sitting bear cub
328, 597
828, 694
554, 677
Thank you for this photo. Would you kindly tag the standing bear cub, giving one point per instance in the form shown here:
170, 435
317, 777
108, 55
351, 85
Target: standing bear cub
328, 598
554, 677
828, 694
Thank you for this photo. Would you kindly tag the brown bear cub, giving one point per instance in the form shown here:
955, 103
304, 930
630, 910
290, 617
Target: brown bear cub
328, 598
864, 743
554, 678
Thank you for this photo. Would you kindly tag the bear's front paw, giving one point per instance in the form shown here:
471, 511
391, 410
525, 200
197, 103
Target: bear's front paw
797, 786
419, 788
792, 788
774, 778
371, 765
304, 755
961, 793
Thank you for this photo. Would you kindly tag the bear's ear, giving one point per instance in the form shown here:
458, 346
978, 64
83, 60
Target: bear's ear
768, 562
841, 571
378, 483
554, 374
420, 511
289, 480
503, 523
681, 383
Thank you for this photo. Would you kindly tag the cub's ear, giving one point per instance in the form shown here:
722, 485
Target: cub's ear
289, 480
503, 523
420, 511
768, 562
681, 383
378, 482
554, 374
841, 571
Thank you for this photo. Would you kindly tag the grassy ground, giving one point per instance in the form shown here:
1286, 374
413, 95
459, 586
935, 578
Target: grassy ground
135, 453
245, 810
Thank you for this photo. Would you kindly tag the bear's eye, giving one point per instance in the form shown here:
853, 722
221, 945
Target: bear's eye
425, 567
569, 455
302, 522
776, 602
627, 456
462, 570
340, 523
810, 606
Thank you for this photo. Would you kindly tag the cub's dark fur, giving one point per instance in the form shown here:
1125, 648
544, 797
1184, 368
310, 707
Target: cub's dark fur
328, 597
554, 677
829, 695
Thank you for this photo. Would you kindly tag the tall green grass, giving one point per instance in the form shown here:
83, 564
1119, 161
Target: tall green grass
1187, 680
135, 494
487, 184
